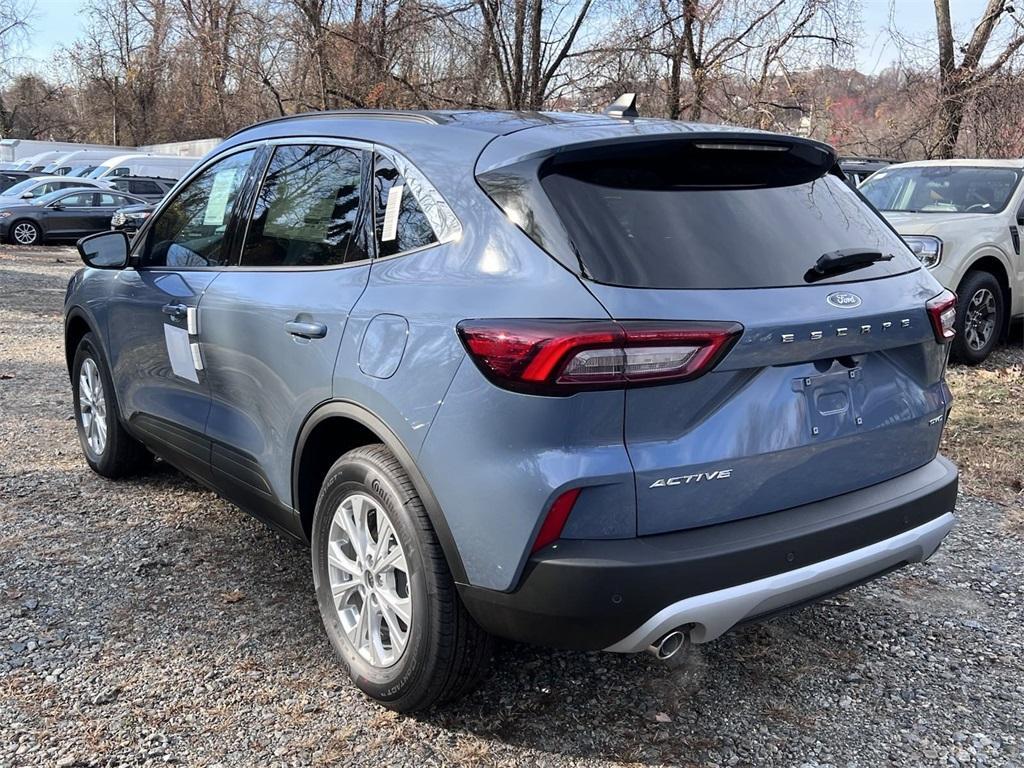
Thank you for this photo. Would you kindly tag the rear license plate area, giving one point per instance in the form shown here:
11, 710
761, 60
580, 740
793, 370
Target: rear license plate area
833, 402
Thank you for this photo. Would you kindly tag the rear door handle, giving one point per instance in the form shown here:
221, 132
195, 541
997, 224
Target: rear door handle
306, 329
177, 311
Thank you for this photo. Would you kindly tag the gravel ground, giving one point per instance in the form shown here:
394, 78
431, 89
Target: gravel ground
148, 622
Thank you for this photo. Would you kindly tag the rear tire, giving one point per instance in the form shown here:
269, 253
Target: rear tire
25, 232
435, 652
108, 448
980, 316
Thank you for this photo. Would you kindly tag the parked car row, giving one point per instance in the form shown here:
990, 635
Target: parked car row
102, 163
60, 195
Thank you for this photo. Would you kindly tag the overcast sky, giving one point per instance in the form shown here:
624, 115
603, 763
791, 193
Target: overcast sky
58, 22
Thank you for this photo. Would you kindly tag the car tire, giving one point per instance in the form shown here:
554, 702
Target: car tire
442, 653
980, 316
25, 232
108, 448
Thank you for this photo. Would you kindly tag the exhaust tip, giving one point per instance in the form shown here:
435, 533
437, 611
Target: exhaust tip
669, 645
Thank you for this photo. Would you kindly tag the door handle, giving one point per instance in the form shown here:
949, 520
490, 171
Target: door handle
176, 311
306, 329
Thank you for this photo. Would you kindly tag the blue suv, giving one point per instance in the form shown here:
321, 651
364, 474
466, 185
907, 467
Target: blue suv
587, 381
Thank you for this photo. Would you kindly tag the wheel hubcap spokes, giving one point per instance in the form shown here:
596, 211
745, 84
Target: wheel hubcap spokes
25, 234
92, 406
369, 578
980, 322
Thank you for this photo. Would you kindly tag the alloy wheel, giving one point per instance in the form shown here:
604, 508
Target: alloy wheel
25, 233
980, 320
92, 406
369, 578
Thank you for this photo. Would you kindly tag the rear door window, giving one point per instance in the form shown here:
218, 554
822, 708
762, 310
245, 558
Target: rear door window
307, 212
400, 223
108, 200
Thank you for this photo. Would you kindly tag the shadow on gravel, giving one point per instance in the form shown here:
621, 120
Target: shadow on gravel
635, 709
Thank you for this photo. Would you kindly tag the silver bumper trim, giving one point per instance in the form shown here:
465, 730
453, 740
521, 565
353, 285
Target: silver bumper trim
714, 613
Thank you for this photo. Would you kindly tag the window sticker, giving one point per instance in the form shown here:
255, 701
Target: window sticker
220, 192
390, 229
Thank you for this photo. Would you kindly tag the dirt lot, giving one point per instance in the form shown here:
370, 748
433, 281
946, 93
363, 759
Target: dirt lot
148, 622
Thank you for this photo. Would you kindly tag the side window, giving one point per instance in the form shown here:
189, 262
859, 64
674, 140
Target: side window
107, 199
399, 223
83, 200
307, 210
190, 231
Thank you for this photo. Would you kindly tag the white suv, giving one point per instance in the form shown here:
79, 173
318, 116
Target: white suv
963, 219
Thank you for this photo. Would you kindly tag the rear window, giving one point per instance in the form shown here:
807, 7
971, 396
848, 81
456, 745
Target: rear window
706, 216
650, 224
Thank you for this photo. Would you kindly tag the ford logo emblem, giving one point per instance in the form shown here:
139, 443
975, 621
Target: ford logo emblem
843, 300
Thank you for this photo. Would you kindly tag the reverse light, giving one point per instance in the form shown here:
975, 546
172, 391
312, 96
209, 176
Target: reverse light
560, 357
927, 248
942, 313
554, 523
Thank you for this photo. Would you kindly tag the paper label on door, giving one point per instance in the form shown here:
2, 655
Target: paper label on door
390, 229
179, 352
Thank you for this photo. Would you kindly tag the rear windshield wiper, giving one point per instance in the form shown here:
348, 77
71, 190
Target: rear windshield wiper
844, 260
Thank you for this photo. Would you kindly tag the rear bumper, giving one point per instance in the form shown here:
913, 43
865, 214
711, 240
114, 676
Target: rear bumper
621, 595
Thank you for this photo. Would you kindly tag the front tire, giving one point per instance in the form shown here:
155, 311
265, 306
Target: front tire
108, 448
25, 232
980, 316
385, 593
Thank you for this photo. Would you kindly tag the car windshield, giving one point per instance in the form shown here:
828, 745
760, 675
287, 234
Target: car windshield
98, 171
81, 172
942, 189
19, 188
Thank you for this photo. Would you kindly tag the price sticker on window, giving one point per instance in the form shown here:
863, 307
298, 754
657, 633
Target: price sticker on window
390, 229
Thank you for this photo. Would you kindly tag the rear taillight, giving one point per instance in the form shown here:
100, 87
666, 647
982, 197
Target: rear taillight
942, 312
565, 356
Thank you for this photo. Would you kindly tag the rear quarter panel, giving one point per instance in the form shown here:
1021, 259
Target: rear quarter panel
493, 459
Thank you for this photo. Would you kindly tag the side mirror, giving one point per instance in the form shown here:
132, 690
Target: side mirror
104, 250
57, 206
26, 195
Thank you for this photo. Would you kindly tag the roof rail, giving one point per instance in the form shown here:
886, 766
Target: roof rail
427, 118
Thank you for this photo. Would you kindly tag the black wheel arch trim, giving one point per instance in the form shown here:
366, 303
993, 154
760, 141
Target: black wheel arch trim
77, 312
369, 420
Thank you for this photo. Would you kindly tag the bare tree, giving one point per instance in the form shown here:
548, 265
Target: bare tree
959, 82
530, 43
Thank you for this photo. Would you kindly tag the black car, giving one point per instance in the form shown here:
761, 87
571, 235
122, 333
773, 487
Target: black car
9, 178
857, 169
131, 218
63, 215
151, 188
